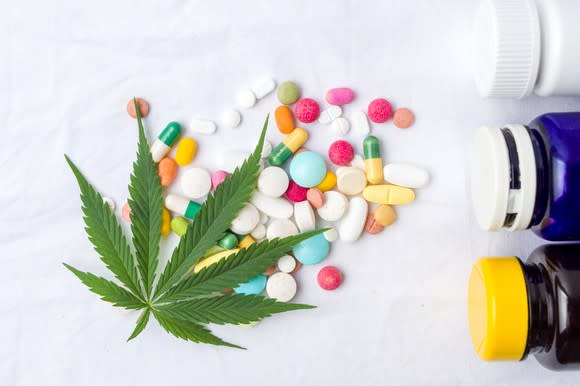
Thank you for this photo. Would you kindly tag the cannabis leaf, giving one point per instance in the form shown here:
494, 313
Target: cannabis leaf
181, 301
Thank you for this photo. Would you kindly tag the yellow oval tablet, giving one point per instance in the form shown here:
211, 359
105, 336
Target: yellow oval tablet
214, 259
165, 222
328, 182
389, 194
186, 150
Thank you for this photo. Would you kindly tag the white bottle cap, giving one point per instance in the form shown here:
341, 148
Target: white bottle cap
503, 185
507, 48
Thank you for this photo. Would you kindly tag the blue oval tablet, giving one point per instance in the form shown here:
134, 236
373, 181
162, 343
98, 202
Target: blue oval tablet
312, 250
253, 287
307, 169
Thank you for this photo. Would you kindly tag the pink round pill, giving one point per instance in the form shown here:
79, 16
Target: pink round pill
341, 153
218, 177
295, 192
339, 96
307, 110
126, 213
329, 278
380, 110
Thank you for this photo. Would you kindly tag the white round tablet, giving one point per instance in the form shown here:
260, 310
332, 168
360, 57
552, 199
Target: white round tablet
281, 286
341, 126
109, 201
304, 216
273, 181
351, 180
246, 220
259, 232
231, 118
358, 162
245, 98
281, 228
263, 218
266, 149
286, 263
334, 207
331, 235
196, 182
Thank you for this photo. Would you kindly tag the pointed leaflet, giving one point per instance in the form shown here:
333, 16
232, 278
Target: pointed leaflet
236, 269
105, 234
190, 331
141, 323
234, 309
108, 290
146, 206
214, 218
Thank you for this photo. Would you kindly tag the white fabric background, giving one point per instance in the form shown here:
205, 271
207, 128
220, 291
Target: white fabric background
68, 68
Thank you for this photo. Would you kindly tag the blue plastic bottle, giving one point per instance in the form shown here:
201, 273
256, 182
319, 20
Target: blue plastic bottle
529, 176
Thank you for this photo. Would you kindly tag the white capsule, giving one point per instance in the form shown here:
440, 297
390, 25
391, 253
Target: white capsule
335, 205
273, 181
340, 126
409, 176
330, 114
281, 228
231, 118
352, 224
159, 150
304, 216
202, 126
286, 263
196, 182
281, 286
259, 232
263, 87
231, 159
351, 180
266, 149
245, 98
272, 206
360, 123
182, 206
109, 201
246, 221
331, 234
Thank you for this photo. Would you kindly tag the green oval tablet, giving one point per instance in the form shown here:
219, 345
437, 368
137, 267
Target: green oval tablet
288, 92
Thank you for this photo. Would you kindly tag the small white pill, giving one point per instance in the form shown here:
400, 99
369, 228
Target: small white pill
202, 126
263, 87
281, 286
196, 183
286, 263
331, 234
245, 99
351, 180
246, 221
281, 228
273, 181
304, 216
231, 159
358, 162
266, 149
109, 201
409, 176
335, 205
360, 123
259, 232
340, 126
231, 118
352, 224
330, 114
263, 218
275, 207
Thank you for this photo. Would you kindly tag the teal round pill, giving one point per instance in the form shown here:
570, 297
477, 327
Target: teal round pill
307, 169
229, 241
312, 250
253, 287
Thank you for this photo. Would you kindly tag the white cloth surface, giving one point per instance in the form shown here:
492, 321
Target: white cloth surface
66, 73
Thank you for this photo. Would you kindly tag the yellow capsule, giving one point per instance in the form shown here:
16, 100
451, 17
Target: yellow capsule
165, 222
328, 182
389, 194
214, 259
186, 151
374, 170
246, 242
296, 139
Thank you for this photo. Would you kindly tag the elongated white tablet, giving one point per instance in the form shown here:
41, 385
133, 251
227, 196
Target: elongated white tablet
360, 124
286, 263
281, 286
231, 159
202, 126
335, 205
245, 98
272, 206
263, 87
246, 220
281, 228
340, 126
351, 180
330, 114
273, 181
304, 216
352, 224
409, 176
196, 183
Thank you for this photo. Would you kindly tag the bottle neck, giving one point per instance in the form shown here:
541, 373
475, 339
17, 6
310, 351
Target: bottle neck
542, 176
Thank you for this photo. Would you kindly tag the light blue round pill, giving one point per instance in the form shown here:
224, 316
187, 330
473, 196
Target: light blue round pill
307, 169
253, 287
312, 250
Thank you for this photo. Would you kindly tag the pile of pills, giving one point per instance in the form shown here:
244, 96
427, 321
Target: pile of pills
298, 190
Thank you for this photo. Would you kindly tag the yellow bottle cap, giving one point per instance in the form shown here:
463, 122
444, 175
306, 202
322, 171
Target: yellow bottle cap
498, 309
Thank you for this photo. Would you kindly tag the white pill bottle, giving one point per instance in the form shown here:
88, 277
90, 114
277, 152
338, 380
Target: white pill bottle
525, 46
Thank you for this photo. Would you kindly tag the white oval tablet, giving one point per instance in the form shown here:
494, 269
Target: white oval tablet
304, 216
409, 176
281, 228
109, 201
281, 286
275, 207
246, 220
231, 159
259, 232
352, 224
340, 126
330, 114
263, 87
286, 263
245, 98
331, 234
335, 205
231, 118
358, 162
266, 149
360, 123
196, 182
351, 180
273, 181
202, 126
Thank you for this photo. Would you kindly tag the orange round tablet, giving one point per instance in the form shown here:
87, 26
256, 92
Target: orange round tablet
403, 118
143, 107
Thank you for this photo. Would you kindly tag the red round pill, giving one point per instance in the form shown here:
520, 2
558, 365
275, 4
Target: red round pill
295, 192
143, 108
380, 110
329, 278
307, 110
341, 153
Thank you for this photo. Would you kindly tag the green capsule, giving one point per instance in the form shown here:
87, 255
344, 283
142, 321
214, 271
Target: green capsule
170, 133
371, 147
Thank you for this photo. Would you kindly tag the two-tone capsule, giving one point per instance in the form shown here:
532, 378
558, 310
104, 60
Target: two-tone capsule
373, 161
291, 143
166, 139
182, 206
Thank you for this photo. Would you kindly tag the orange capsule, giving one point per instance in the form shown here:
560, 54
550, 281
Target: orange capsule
167, 170
284, 119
